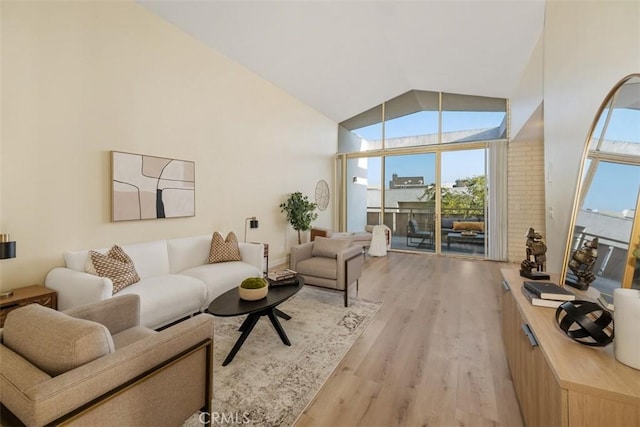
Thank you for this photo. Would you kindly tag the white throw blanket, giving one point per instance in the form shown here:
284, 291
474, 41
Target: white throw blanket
379, 241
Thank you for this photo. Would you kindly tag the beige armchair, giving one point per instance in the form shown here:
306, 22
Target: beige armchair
94, 365
330, 263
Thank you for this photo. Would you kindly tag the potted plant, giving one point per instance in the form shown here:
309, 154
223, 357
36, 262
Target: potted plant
300, 212
253, 289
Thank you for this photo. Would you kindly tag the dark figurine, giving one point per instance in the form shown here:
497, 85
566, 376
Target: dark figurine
581, 264
536, 257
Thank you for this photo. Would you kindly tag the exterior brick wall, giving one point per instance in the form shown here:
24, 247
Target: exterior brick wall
526, 202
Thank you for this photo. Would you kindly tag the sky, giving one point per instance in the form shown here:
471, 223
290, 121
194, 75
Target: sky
426, 123
615, 187
462, 164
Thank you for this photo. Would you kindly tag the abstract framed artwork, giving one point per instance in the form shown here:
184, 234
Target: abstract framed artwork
150, 187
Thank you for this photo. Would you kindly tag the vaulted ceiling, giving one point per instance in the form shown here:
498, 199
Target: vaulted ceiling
344, 57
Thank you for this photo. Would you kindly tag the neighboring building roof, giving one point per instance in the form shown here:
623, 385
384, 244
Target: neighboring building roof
609, 228
407, 181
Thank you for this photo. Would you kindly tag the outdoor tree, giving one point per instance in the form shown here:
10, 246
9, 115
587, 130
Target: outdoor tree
461, 200
300, 212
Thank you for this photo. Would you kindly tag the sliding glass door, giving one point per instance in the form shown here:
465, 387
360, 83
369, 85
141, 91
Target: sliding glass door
425, 210
462, 202
409, 201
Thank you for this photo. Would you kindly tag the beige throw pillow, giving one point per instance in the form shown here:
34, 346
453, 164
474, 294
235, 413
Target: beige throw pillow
117, 266
224, 250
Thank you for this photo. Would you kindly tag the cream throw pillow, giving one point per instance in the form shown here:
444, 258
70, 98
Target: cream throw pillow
224, 250
117, 266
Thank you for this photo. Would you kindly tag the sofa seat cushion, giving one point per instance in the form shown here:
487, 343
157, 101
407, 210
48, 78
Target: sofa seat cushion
221, 277
318, 267
131, 335
55, 342
164, 299
357, 237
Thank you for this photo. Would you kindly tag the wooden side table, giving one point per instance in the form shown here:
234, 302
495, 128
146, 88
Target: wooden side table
27, 295
319, 232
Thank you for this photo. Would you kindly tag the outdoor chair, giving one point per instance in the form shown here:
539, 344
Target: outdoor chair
414, 232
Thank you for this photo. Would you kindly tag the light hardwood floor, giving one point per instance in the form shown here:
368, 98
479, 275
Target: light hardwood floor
433, 354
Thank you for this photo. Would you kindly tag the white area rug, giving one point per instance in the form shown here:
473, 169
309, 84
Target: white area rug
269, 383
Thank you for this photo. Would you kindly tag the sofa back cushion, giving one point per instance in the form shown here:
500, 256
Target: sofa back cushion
149, 258
448, 222
79, 260
52, 341
328, 248
188, 252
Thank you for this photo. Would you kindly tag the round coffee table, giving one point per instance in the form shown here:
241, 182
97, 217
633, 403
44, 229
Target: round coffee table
229, 304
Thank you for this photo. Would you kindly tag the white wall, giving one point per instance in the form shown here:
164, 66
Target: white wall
529, 92
80, 79
588, 47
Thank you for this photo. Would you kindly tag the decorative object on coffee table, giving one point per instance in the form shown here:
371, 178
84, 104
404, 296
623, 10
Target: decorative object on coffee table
300, 212
532, 266
253, 289
585, 322
581, 265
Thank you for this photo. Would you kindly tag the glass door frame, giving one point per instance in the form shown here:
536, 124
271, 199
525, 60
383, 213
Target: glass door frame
341, 161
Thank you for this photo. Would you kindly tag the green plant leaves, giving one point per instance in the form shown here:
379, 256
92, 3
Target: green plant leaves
300, 212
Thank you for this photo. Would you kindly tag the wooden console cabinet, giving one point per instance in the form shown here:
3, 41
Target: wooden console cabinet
27, 295
560, 382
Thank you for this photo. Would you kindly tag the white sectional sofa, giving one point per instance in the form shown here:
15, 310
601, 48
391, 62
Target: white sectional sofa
175, 278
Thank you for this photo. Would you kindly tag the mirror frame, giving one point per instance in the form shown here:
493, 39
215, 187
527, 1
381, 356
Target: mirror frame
635, 229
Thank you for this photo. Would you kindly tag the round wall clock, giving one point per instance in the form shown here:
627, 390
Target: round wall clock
322, 194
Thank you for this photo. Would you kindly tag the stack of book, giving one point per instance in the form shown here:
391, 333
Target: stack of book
546, 294
606, 301
282, 278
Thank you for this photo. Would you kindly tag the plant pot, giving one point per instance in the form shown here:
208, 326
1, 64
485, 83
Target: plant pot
253, 294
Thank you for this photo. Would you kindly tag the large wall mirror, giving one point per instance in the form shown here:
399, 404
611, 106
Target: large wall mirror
608, 196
